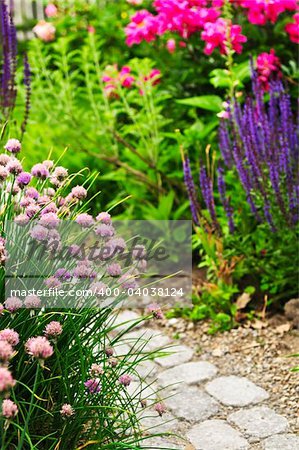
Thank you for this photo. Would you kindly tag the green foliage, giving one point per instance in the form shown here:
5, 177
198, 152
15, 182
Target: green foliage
208, 102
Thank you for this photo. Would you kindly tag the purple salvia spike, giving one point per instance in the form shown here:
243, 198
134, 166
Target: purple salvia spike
206, 186
189, 183
225, 143
27, 83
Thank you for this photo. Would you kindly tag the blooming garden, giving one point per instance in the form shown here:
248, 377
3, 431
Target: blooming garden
168, 113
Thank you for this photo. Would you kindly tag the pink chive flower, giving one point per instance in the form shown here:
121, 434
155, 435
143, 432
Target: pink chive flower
96, 370
40, 171
60, 173
125, 380
114, 270
63, 274
3, 174
104, 230
109, 351
104, 217
32, 210
39, 233
50, 192
139, 252
84, 220
268, 66
43, 200
12, 304
10, 336
13, 146
23, 179
49, 220
128, 281
293, 29
79, 192
48, 163
93, 385
26, 201
1, 308
31, 192
6, 351
67, 410
53, 329
141, 265
215, 35
45, 31
14, 167
4, 159
262, 11
9, 409
32, 302
156, 311
21, 219
171, 45
52, 282
50, 208
6, 380
39, 347
83, 270
143, 27
160, 408
51, 10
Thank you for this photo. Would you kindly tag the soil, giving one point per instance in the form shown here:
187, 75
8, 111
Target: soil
259, 351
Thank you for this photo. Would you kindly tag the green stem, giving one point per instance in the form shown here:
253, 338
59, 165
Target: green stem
31, 406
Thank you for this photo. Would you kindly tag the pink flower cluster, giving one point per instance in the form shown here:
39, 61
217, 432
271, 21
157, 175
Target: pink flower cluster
39, 347
293, 29
268, 66
262, 11
45, 31
8, 339
222, 34
113, 79
185, 17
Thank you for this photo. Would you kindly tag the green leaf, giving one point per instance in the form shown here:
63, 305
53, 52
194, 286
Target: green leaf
208, 102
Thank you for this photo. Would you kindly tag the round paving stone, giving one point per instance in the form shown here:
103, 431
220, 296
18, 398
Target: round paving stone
216, 435
282, 442
147, 340
189, 373
161, 443
125, 319
236, 391
180, 355
192, 405
153, 423
259, 422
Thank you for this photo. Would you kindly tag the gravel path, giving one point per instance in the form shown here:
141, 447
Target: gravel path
205, 410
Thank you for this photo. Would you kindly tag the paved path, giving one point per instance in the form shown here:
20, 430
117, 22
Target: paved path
207, 411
